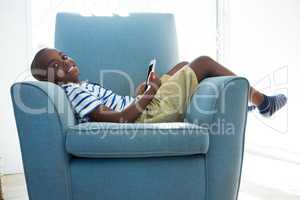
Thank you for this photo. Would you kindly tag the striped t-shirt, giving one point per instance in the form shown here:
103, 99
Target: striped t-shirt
86, 96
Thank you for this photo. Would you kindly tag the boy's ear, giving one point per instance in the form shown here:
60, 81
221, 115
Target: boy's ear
51, 75
39, 74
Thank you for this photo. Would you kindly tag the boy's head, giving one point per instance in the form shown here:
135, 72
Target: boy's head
54, 66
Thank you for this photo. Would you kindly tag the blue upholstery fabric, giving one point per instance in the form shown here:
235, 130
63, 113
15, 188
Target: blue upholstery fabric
101, 140
119, 48
43, 115
225, 105
56, 150
161, 178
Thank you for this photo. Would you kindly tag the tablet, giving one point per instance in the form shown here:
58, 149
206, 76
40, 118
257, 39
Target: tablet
151, 68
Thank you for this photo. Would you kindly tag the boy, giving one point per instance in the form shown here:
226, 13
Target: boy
165, 101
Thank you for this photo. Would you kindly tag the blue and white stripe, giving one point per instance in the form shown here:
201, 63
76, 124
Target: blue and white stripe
86, 96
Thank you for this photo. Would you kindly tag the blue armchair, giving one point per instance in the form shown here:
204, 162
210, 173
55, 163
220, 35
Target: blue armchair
199, 158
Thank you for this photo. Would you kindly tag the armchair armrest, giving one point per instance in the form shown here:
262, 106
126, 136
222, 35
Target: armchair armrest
121, 140
28, 96
42, 115
220, 105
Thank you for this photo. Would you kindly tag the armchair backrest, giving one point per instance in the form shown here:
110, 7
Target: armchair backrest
115, 50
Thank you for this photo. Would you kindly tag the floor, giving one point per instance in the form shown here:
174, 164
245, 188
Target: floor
14, 187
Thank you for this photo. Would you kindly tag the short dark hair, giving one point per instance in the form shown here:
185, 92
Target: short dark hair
39, 71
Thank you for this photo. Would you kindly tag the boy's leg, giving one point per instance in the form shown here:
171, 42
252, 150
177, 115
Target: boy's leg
205, 67
177, 67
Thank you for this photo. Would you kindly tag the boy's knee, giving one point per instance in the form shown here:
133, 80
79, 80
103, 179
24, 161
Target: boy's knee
204, 59
201, 61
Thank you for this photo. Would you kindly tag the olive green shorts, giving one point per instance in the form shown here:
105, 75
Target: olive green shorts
170, 102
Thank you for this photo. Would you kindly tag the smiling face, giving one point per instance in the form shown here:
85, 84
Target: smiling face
54, 66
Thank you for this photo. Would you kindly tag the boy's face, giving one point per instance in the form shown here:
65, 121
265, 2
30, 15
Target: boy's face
61, 68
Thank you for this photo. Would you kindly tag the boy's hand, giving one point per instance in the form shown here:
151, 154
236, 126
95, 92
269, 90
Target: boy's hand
140, 89
154, 83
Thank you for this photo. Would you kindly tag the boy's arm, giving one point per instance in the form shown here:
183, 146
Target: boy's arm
132, 112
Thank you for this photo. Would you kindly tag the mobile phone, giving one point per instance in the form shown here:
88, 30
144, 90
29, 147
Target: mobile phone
151, 68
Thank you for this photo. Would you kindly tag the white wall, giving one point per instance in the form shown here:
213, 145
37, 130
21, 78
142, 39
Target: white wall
263, 44
13, 54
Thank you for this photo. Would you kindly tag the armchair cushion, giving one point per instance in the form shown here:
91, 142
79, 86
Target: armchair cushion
118, 140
